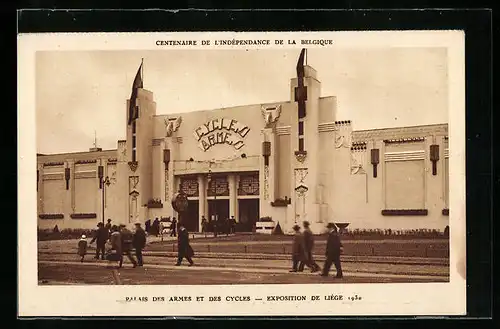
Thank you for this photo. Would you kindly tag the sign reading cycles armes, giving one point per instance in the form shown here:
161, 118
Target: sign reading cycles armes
221, 131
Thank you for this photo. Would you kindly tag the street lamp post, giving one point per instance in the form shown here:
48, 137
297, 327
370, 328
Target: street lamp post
105, 183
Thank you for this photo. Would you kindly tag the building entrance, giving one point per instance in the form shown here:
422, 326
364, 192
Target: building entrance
219, 208
248, 214
190, 219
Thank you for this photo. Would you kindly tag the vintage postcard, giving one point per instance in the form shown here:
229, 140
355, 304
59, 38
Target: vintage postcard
242, 174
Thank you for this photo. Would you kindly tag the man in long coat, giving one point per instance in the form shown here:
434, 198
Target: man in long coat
173, 227
127, 238
101, 235
333, 250
139, 242
298, 251
309, 246
184, 249
116, 242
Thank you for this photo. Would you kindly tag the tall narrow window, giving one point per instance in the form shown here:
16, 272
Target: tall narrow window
133, 127
133, 155
133, 141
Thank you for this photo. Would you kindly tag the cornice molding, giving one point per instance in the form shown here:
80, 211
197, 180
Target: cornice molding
400, 133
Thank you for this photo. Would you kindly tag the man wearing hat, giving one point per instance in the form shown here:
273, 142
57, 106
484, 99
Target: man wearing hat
101, 235
298, 251
139, 242
333, 250
127, 238
184, 249
308, 246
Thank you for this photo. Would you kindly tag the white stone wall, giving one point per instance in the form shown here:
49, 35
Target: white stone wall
83, 194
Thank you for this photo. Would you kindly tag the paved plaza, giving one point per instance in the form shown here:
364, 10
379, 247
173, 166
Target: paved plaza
58, 264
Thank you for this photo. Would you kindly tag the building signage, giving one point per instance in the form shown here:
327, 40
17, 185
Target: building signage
221, 131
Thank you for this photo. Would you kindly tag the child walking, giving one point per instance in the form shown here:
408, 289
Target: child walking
82, 247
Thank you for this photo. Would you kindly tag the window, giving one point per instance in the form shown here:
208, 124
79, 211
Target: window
301, 144
301, 128
133, 127
133, 155
133, 141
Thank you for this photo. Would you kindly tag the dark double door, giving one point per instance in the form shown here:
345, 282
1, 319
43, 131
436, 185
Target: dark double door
219, 208
190, 217
248, 214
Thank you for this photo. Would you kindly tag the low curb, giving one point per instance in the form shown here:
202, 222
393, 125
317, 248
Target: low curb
319, 258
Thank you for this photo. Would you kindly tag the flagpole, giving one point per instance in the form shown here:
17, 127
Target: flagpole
142, 71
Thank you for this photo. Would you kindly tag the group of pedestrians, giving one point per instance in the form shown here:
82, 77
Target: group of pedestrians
302, 250
218, 226
121, 240
159, 227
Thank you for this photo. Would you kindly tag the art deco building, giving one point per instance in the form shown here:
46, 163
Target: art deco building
291, 160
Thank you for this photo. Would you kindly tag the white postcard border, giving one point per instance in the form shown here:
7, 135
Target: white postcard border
378, 299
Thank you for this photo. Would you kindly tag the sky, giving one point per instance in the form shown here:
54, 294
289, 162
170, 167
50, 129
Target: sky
79, 94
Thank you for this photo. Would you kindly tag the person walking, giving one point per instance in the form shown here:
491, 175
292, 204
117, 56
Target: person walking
298, 251
139, 242
232, 225
127, 238
333, 250
215, 226
173, 227
155, 228
101, 235
309, 246
82, 247
203, 224
184, 249
115, 240
108, 226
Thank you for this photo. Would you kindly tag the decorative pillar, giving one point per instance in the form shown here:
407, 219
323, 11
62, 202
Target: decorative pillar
233, 195
165, 176
202, 200
100, 203
266, 153
171, 184
236, 203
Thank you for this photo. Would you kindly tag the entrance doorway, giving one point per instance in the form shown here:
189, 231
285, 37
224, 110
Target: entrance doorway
248, 214
219, 207
190, 218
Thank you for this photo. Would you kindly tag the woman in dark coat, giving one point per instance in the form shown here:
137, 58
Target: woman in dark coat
298, 251
184, 249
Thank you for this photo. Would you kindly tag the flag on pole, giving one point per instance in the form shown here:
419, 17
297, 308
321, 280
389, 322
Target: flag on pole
301, 90
133, 110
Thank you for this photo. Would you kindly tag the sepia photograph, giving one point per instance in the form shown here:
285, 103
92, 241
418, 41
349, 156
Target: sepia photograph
242, 164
